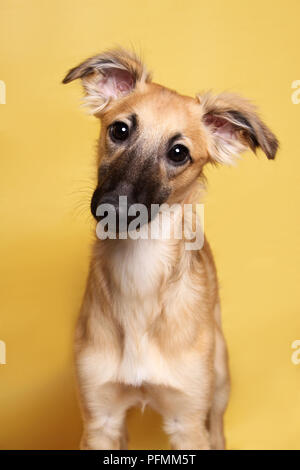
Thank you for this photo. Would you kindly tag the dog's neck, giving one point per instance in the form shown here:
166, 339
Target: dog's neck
138, 268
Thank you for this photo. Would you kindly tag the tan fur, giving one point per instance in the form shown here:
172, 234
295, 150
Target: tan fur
149, 330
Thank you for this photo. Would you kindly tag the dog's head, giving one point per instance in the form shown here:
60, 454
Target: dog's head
154, 142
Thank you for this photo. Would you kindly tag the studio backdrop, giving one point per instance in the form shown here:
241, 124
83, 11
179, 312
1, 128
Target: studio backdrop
47, 177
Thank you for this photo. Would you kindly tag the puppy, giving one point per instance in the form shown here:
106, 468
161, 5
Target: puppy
149, 331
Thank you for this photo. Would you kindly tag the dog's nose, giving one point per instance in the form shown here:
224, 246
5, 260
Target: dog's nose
113, 206
101, 204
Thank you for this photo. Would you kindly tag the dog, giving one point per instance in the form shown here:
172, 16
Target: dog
149, 331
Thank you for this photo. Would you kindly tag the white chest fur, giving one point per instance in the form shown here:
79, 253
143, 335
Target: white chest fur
138, 268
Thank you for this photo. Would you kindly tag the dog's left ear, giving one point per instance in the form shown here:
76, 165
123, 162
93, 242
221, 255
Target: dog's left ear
109, 76
232, 125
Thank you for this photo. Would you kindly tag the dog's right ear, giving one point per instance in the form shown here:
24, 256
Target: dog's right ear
108, 76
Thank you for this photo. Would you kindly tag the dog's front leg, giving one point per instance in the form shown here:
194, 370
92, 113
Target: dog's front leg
104, 403
186, 426
184, 415
104, 412
188, 432
103, 400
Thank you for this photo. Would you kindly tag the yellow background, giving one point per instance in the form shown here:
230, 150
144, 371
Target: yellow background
46, 179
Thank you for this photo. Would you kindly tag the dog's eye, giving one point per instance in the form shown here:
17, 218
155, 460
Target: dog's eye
119, 131
179, 154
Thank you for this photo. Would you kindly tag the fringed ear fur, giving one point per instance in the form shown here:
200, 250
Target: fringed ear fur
108, 76
232, 125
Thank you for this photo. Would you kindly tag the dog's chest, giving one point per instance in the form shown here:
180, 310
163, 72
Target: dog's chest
138, 270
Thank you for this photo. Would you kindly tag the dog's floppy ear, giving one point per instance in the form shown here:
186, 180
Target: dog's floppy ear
108, 76
232, 124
